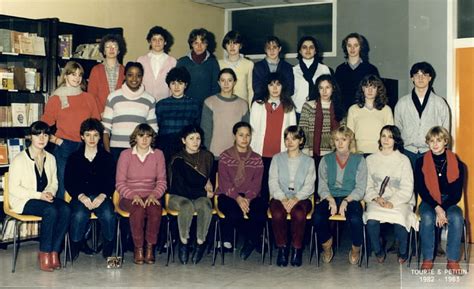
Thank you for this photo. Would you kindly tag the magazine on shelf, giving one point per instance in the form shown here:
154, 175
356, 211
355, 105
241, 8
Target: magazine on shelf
15, 146
19, 114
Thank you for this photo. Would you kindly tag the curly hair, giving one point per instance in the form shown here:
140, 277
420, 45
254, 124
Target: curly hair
372, 80
335, 97
317, 56
363, 43
131, 64
158, 30
141, 130
285, 97
396, 135
117, 38
178, 74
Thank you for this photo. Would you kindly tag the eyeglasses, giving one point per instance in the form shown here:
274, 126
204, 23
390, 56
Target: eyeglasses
421, 75
111, 46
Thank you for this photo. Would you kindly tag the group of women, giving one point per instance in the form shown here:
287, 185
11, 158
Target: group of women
246, 116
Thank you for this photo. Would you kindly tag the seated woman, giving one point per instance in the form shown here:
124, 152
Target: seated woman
240, 178
191, 191
389, 195
33, 184
90, 181
439, 178
291, 181
342, 181
141, 182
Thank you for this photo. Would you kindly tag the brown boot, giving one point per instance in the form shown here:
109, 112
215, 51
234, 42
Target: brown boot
454, 268
327, 251
54, 260
138, 255
44, 264
354, 255
149, 254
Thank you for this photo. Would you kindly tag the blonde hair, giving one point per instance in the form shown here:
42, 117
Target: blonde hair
438, 131
70, 68
348, 133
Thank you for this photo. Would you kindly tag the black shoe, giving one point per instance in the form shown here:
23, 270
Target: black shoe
282, 259
75, 248
86, 249
198, 253
107, 249
183, 253
296, 257
247, 249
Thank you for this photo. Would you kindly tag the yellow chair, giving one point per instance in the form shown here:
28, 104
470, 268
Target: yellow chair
339, 218
173, 213
18, 219
266, 231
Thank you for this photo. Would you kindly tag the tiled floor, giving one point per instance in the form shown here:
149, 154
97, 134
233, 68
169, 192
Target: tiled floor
92, 272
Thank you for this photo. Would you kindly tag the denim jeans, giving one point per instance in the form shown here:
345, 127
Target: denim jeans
62, 153
353, 218
55, 221
80, 216
427, 231
373, 230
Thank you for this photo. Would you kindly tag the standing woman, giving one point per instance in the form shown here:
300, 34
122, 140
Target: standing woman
439, 178
191, 191
141, 182
291, 181
320, 116
240, 179
109, 75
202, 65
342, 182
269, 118
125, 109
243, 68
67, 109
370, 114
307, 71
157, 63
33, 184
90, 181
219, 114
389, 195
354, 69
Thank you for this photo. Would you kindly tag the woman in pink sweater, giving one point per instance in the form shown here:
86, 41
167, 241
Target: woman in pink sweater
141, 182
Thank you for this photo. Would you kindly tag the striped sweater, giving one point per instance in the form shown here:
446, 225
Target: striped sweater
135, 177
124, 111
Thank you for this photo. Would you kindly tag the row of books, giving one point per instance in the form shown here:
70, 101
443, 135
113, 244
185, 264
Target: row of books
20, 114
21, 42
10, 148
27, 230
20, 78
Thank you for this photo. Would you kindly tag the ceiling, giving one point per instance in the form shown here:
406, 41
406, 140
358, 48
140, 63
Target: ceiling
231, 4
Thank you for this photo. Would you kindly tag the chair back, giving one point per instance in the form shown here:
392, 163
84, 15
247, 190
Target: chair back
6, 205
116, 201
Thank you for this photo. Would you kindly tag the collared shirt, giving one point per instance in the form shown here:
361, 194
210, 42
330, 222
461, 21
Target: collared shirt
140, 157
355, 65
157, 62
112, 74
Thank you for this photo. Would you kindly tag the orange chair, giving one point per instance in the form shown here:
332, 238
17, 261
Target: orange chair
18, 219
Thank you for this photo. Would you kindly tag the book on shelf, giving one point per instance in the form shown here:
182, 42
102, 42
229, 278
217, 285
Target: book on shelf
26, 44
12, 41
65, 45
6, 41
3, 154
15, 146
34, 111
38, 46
19, 81
19, 115
6, 79
5, 116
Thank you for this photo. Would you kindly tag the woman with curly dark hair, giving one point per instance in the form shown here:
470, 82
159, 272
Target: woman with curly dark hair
371, 112
157, 63
109, 75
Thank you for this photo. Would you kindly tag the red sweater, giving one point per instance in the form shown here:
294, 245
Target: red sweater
272, 141
141, 178
68, 120
99, 85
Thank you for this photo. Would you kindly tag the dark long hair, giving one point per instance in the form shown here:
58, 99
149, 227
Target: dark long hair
381, 98
285, 97
335, 97
396, 135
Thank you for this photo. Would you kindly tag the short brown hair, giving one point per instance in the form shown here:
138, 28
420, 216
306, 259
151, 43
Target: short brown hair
438, 131
141, 130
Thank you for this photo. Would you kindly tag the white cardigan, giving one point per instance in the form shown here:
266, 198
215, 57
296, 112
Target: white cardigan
22, 180
258, 121
399, 190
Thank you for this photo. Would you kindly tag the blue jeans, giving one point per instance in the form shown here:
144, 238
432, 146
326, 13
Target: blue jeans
373, 230
54, 223
353, 218
413, 157
80, 218
62, 153
427, 232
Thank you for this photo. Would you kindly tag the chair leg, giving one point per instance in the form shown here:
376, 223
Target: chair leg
16, 232
364, 250
222, 241
410, 247
337, 235
214, 245
117, 242
466, 247
270, 249
264, 232
311, 245
316, 247
235, 242
66, 241
418, 250
169, 251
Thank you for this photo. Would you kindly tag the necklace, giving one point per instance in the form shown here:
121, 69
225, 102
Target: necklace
439, 169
